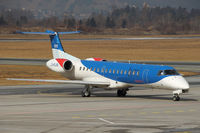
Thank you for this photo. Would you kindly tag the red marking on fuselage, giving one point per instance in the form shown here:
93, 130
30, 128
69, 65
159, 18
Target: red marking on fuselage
98, 59
138, 81
61, 61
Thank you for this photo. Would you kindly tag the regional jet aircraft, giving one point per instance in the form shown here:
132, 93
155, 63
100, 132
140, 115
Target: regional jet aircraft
99, 73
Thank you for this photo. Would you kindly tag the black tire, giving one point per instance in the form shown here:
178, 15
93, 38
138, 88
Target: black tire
83, 95
176, 98
119, 93
124, 93
86, 93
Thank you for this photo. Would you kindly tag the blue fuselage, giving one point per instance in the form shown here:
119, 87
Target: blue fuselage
127, 73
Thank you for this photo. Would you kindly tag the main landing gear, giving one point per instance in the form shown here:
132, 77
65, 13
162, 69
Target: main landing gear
122, 93
86, 91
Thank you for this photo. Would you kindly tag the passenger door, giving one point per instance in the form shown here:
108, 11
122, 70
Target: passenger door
145, 76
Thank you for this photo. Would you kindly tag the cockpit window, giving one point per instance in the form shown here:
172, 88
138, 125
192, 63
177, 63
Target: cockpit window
168, 72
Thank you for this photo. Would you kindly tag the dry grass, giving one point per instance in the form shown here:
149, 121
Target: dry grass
167, 50
32, 72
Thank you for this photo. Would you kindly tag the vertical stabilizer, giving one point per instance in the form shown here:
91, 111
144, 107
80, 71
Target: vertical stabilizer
57, 49
56, 45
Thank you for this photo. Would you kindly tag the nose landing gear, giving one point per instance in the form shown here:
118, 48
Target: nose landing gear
176, 97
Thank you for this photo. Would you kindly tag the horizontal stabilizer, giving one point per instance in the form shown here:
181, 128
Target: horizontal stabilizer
48, 32
64, 81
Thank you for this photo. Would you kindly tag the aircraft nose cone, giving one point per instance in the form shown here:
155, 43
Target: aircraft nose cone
176, 82
182, 83
186, 85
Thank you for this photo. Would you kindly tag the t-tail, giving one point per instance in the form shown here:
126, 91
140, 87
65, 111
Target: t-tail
56, 45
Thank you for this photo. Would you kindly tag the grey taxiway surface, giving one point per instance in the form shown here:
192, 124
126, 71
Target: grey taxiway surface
60, 108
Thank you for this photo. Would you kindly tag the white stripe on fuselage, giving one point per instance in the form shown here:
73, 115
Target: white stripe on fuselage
172, 82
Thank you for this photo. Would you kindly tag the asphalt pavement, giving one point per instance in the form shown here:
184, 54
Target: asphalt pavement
60, 108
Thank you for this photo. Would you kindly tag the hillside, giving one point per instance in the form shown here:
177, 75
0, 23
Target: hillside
83, 8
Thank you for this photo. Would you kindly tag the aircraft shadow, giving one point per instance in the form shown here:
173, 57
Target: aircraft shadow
152, 97
95, 93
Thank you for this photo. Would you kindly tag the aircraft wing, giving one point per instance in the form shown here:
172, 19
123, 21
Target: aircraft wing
65, 81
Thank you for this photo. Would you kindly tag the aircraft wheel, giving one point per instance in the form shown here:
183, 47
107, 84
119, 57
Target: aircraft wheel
121, 93
124, 93
176, 97
86, 93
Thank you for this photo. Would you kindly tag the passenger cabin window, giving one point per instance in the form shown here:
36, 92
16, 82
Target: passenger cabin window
80, 68
168, 72
137, 73
97, 69
121, 71
113, 71
106, 70
102, 70
110, 71
94, 69
91, 69
125, 72
133, 72
129, 72
117, 71
83, 68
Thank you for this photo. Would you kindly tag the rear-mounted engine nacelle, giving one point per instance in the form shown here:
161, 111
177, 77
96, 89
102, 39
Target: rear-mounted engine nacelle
68, 66
60, 65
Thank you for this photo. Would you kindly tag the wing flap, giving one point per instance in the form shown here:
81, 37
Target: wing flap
64, 81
